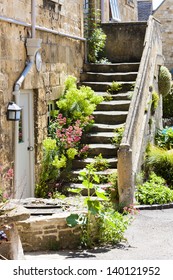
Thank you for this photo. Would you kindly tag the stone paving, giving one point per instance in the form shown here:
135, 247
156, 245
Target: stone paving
149, 237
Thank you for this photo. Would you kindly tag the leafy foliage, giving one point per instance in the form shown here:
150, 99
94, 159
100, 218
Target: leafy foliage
77, 104
113, 188
154, 191
164, 81
115, 87
96, 44
118, 135
65, 132
164, 138
160, 161
155, 102
168, 104
110, 225
100, 163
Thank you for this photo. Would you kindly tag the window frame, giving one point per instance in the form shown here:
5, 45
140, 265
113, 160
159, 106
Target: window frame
115, 10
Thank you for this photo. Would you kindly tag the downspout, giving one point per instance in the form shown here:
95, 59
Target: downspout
32, 46
102, 11
33, 17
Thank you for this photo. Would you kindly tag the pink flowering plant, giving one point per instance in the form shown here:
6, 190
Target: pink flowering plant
65, 132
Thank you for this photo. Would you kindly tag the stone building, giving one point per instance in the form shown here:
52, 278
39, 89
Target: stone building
41, 43
164, 13
54, 30
113, 10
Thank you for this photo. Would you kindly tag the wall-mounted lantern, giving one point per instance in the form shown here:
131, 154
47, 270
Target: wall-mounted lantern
13, 112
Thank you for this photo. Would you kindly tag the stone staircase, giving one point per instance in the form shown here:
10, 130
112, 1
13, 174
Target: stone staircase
109, 115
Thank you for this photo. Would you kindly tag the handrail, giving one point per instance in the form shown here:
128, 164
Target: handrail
133, 143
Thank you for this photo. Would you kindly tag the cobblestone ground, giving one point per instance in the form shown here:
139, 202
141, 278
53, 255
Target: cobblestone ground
149, 237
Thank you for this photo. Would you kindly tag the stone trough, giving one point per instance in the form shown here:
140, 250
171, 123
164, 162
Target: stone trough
46, 228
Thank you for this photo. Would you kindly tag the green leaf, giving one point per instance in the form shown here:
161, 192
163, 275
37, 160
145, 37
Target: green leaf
78, 190
101, 194
93, 206
72, 220
96, 178
87, 184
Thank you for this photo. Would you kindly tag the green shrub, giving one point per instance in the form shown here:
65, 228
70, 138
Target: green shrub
164, 138
77, 104
164, 81
96, 44
154, 191
168, 104
63, 144
118, 135
114, 87
155, 102
100, 163
160, 161
109, 224
112, 189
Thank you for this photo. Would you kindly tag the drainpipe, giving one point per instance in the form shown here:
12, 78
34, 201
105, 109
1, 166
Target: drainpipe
102, 11
33, 17
32, 46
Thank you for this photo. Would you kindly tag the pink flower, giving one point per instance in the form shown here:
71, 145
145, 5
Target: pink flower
10, 174
59, 116
62, 121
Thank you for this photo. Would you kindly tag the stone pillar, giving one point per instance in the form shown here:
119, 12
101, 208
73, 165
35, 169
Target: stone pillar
125, 176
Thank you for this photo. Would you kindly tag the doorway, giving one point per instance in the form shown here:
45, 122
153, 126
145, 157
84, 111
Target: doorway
24, 154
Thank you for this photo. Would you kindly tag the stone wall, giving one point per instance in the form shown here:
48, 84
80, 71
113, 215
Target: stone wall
128, 10
124, 41
165, 15
48, 233
61, 56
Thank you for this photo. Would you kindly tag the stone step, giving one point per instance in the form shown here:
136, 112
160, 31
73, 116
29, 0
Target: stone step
100, 127
118, 96
110, 117
107, 150
104, 86
76, 173
112, 67
99, 138
81, 163
108, 77
114, 105
84, 190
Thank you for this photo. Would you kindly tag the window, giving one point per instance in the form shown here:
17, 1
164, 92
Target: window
86, 5
51, 107
58, 1
114, 10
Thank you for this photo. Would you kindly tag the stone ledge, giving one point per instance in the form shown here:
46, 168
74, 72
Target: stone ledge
12, 213
154, 206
